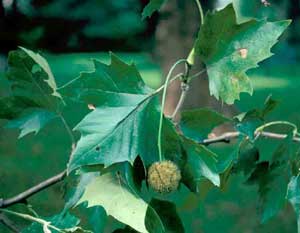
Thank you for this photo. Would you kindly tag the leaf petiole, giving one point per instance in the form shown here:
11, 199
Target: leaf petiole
32, 219
261, 128
159, 138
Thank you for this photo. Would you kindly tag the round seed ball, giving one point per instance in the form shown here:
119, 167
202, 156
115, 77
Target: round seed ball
164, 176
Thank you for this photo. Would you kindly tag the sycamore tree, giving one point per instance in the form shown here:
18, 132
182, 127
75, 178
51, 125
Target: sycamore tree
127, 159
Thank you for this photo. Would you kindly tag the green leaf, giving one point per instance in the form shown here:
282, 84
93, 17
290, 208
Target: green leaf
74, 194
31, 80
249, 121
272, 182
61, 221
229, 50
32, 122
153, 5
110, 192
168, 215
200, 163
120, 128
96, 217
116, 84
247, 10
272, 176
227, 158
33, 99
117, 134
293, 195
248, 157
272, 150
198, 123
45, 67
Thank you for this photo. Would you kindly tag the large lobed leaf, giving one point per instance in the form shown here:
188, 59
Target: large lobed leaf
271, 175
33, 99
272, 182
117, 84
125, 121
31, 79
115, 191
229, 49
117, 199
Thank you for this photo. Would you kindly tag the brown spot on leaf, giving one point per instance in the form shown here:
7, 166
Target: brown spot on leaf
91, 107
243, 52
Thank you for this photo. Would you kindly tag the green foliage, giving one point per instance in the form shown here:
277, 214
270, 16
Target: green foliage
201, 162
125, 103
194, 123
270, 175
33, 122
247, 122
246, 11
33, 100
118, 201
108, 168
63, 221
168, 215
229, 50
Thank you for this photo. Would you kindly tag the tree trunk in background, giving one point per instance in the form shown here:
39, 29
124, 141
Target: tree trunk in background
175, 34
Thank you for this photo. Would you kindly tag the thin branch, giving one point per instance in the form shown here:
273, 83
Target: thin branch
8, 223
21, 198
225, 138
184, 91
28, 217
197, 74
164, 95
261, 128
228, 136
163, 86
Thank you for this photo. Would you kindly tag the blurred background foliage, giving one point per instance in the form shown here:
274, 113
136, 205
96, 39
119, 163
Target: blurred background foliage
70, 32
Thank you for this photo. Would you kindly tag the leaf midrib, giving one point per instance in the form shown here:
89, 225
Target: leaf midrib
120, 122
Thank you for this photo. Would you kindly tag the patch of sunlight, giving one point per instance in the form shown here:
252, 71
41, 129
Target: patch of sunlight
68, 66
264, 82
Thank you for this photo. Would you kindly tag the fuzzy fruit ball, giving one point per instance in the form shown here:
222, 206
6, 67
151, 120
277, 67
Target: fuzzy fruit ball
164, 176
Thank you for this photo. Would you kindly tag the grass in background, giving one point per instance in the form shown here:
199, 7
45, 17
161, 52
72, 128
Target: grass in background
68, 66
